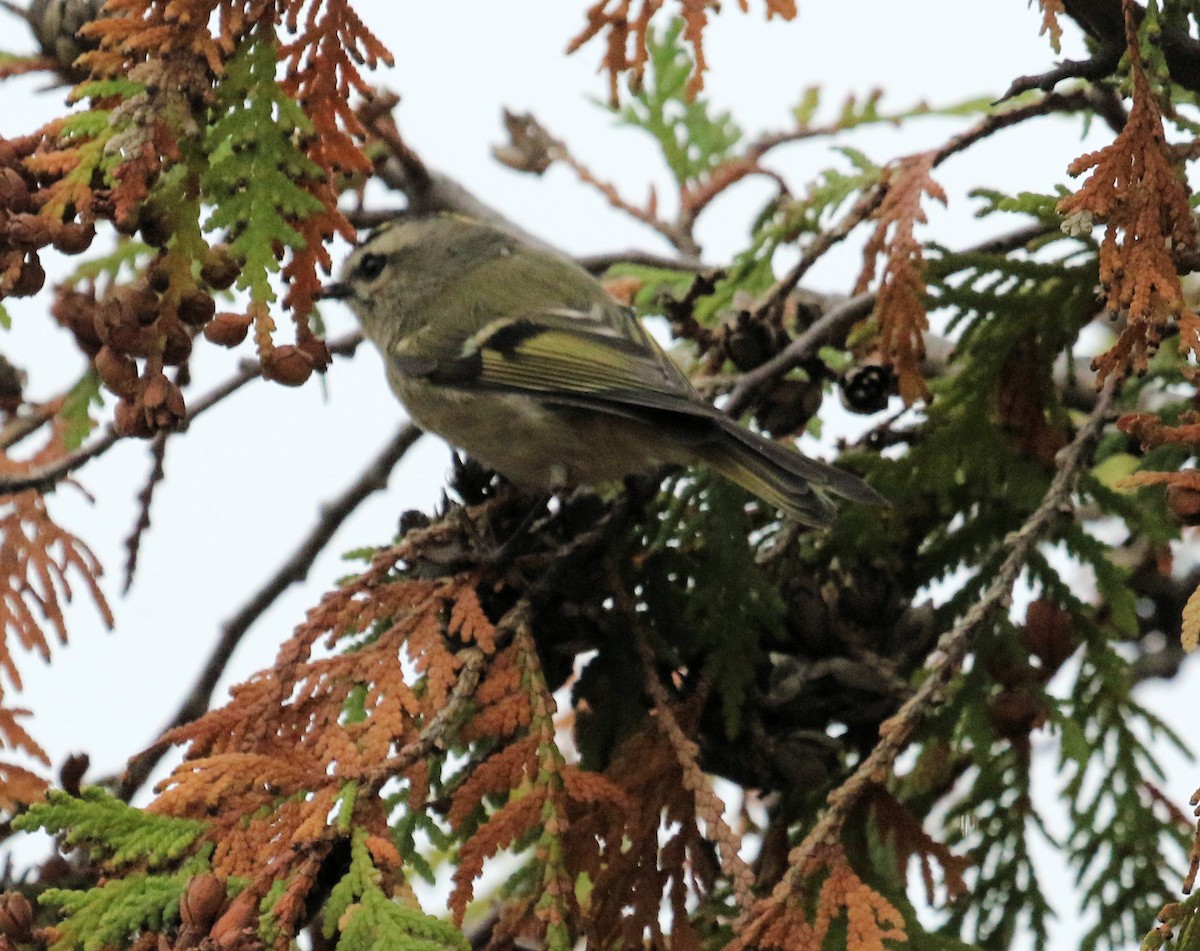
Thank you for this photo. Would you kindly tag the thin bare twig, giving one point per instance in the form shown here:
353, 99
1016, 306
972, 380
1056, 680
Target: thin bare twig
896, 732
46, 477
678, 233
695, 197
599, 263
133, 544
17, 428
833, 325
1104, 63
1045, 105
372, 479
860, 212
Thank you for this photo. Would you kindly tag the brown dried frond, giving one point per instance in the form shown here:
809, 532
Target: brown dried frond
502, 772
1021, 399
270, 769
14, 737
502, 707
625, 34
170, 50
204, 784
1051, 10
695, 19
1182, 490
1183, 486
39, 560
502, 828
135, 31
1151, 431
262, 811
900, 304
1185, 478
17, 784
301, 700
39, 564
469, 622
1136, 189
302, 272
63, 174
1189, 881
321, 71
1189, 634
909, 840
784, 923
614, 19
631, 883
268, 816
575, 815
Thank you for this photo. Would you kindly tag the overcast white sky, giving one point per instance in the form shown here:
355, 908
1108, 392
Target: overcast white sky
242, 486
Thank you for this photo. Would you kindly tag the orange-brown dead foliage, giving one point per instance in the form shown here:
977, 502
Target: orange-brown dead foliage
900, 305
1136, 189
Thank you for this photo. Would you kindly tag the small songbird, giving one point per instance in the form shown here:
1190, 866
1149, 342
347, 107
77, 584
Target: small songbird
521, 358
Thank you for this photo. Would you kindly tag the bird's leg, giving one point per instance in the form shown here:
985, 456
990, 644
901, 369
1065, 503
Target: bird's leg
523, 531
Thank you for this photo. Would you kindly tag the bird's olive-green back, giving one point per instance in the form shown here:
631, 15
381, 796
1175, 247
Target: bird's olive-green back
444, 278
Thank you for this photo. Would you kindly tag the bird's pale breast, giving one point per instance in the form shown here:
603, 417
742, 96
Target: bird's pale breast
537, 446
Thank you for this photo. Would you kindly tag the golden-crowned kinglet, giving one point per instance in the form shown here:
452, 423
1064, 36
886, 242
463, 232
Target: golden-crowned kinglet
521, 358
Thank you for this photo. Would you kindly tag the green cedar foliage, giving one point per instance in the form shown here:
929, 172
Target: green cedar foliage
709, 604
112, 914
119, 833
365, 919
692, 138
959, 481
959, 488
254, 164
150, 856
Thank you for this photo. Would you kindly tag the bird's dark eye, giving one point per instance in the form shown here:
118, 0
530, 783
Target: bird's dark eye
371, 266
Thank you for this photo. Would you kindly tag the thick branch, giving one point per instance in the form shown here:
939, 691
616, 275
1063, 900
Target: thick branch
599, 263
17, 428
1102, 64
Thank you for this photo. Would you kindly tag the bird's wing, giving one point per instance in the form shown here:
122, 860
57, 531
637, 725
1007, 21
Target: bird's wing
601, 358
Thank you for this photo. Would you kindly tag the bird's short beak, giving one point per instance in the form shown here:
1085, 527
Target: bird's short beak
339, 290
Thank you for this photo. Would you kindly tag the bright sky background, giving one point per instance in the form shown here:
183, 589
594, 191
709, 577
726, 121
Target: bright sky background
242, 487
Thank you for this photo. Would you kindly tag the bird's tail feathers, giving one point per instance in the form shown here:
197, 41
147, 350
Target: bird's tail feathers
792, 482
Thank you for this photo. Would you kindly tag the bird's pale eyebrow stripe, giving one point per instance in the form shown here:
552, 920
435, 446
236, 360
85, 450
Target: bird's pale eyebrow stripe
374, 233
